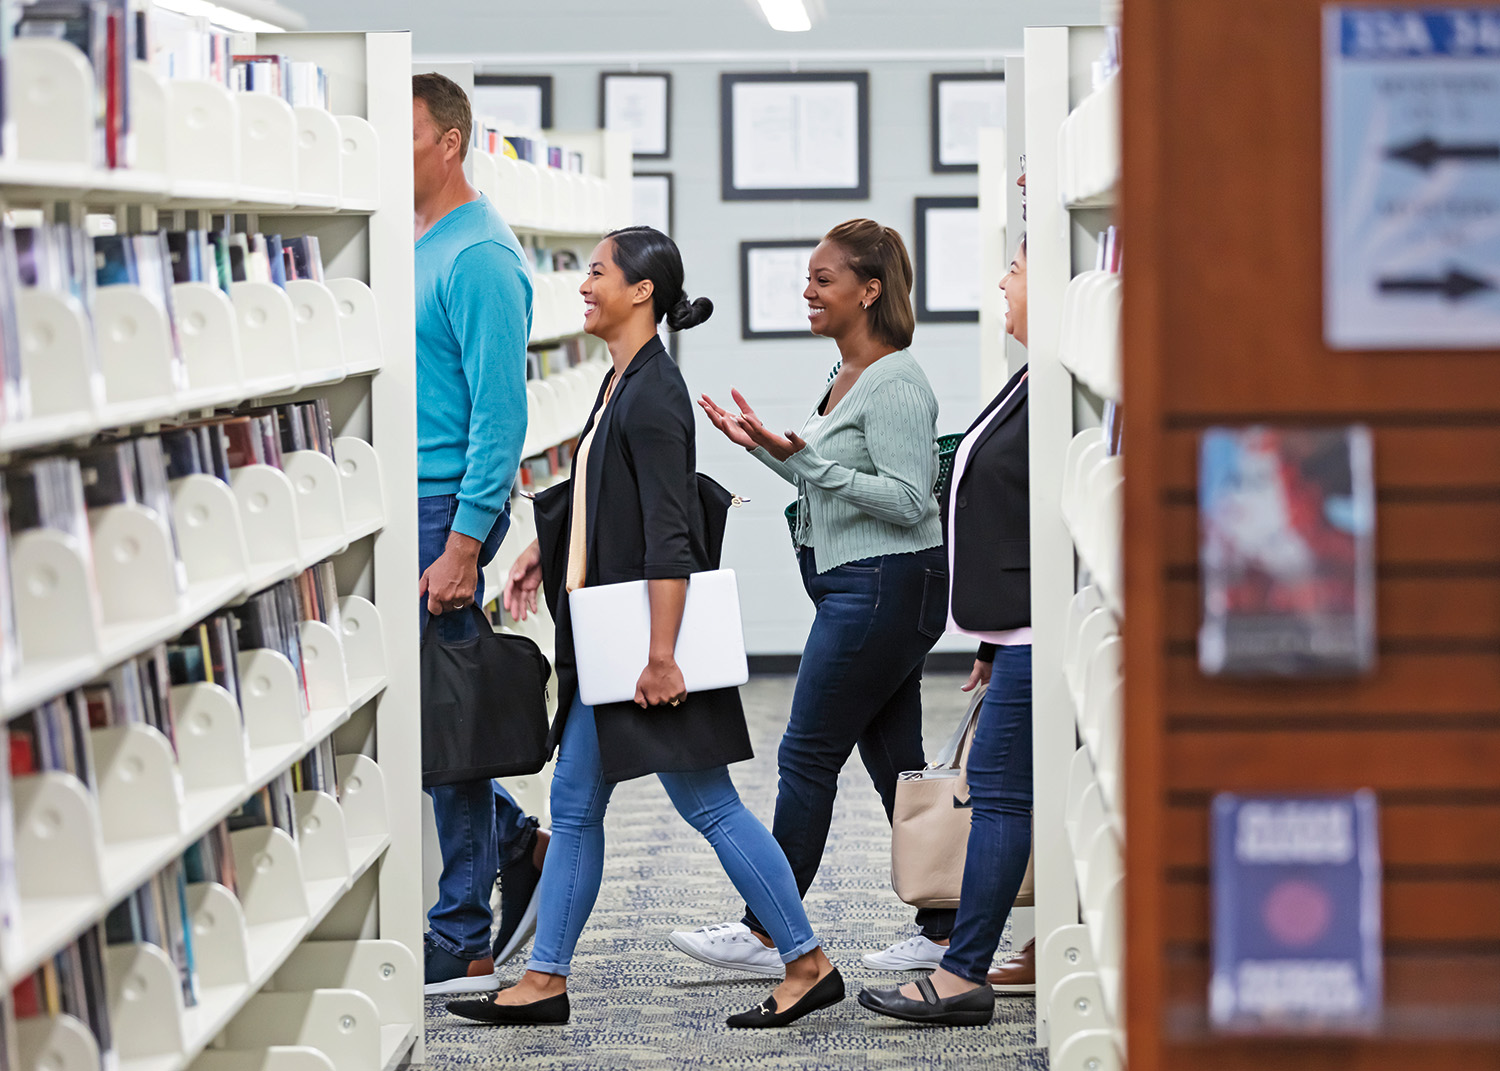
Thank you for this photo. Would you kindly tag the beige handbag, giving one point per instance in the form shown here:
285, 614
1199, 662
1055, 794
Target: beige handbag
930, 828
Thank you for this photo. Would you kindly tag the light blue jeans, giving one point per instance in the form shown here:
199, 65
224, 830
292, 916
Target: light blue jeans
707, 799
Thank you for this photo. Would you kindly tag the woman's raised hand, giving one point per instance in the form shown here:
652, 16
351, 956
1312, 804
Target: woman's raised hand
522, 582
727, 423
780, 447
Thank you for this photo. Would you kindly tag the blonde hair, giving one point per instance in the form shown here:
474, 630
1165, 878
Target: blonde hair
877, 252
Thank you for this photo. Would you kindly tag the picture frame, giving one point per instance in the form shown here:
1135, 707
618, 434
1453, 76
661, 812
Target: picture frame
773, 275
525, 99
639, 103
962, 104
793, 137
652, 200
949, 259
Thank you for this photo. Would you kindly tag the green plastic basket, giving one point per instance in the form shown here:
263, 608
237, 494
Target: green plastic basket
947, 447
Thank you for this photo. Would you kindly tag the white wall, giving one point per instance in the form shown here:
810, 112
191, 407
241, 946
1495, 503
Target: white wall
782, 378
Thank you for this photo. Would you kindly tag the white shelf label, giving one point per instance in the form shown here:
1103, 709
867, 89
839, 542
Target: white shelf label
1411, 208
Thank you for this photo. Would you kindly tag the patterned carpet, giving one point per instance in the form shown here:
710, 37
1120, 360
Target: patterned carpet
639, 1003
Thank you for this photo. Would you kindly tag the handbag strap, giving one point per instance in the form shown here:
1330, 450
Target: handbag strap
956, 750
472, 609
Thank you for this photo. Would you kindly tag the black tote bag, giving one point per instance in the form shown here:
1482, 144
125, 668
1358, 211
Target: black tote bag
484, 706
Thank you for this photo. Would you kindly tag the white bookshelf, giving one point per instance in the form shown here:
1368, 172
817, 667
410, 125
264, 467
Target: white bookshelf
1072, 149
316, 964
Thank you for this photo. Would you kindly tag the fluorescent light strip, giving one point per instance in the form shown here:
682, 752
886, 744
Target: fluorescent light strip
787, 15
228, 18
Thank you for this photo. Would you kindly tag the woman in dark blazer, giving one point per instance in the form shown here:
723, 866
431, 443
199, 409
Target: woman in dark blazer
989, 545
636, 509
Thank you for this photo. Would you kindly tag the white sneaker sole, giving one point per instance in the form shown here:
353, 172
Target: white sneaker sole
874, 961
747, 968
483, 983
523, 932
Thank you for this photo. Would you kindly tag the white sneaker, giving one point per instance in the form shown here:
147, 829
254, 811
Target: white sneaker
913, 954
730, 945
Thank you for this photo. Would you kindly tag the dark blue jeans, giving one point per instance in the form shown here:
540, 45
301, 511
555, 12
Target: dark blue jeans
480, 828
1000, 833
860, 685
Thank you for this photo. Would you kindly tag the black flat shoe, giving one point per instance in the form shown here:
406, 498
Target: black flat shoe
974, 1008
553, 1011
829, 990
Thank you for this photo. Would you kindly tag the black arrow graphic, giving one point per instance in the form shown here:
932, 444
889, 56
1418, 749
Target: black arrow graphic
1455, 286
1428, 152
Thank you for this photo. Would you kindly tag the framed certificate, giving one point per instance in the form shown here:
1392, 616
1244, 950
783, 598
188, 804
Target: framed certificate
950, 260
641, 106
520, 102
962, 105
773, 276
651, 197
790, 137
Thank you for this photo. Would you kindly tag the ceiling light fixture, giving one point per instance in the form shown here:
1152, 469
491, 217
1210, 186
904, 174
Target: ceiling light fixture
787, 15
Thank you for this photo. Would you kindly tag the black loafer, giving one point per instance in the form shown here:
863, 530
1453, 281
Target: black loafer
974, 1008
828, 991
553, 1011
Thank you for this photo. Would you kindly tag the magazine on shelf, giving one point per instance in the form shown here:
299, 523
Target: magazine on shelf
1296, 914
1287, 520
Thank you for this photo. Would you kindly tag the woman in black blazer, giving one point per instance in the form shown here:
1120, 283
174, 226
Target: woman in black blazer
989, 545
636, 509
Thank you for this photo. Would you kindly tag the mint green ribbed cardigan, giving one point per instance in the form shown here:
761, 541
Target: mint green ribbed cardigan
864, 479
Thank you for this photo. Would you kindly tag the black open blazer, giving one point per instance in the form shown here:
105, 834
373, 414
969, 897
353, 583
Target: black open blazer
650, 517
992, 523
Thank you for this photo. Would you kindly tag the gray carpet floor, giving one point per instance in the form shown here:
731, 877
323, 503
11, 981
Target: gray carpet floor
638, 1003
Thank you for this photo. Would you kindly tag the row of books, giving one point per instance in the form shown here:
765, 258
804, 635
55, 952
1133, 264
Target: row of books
550, 360
73, 983
58, 491
112, 34
67, 261
531, 148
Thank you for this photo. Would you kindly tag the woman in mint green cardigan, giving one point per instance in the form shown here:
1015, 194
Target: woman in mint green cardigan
870, 547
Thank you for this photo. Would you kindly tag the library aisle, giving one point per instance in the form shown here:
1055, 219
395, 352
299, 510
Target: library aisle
638, 1003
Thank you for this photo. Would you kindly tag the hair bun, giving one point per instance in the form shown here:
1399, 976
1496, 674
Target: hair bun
687, 313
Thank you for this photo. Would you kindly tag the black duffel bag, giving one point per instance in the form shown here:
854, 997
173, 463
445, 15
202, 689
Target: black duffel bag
484, 706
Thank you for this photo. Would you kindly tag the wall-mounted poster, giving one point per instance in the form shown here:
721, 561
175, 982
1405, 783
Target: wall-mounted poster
641, 106
773, 276
519, 102
963, 105
788, 137
651, 197
949, 260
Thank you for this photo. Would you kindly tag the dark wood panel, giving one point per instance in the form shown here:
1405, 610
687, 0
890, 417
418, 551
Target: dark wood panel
1403, 684
1386, 760
1424, 608
1436, 456
1414, 910
1374, 1054
1411, 834
1406, 533
1426, 977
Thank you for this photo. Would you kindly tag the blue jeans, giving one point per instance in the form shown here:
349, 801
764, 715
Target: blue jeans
480, 828
1000, 833
706, 798
860, 685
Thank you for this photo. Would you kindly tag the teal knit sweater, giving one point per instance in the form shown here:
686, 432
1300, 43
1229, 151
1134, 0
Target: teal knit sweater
865, 477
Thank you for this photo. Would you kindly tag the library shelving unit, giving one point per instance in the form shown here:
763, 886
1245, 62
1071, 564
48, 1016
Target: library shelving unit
1077, 610
1223, 325
317, 963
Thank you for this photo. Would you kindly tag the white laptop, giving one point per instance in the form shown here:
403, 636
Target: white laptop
612, 637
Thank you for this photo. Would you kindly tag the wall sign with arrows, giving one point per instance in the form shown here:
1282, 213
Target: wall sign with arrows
1411, 176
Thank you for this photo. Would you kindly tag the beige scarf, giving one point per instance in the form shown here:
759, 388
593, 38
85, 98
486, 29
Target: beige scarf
578, 532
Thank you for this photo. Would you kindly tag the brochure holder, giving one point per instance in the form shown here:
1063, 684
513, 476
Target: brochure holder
206, 326
268, 337
269, 162
136, 565
343, 1024
383, 970
57, 610
528, 206
321, 838
150, 116
270, 697
135, 346
221, 940
359, 325
204, 133
271, 1058
323, 668
206, 517
268, 870
58, 1043
359, 145
140, 790
211, 738
268, 515
363, 486
319, 155
320, 501
320, 346
57, 354
145, 1002
52, 85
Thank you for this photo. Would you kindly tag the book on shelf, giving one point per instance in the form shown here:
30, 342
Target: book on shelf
15, 402
105, 33
298, 82
72, 983
1287, 551
54, 738
10, 884
10, 633
157, 914
1296, 914
317, 771
271, 805
185, 46
211, 859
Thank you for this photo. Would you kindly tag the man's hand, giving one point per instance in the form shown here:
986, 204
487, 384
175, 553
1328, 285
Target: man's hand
450, 581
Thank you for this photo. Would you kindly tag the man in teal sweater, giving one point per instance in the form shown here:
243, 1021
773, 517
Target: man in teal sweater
473, 311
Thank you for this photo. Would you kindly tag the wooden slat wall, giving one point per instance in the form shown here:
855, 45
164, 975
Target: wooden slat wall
1222, 210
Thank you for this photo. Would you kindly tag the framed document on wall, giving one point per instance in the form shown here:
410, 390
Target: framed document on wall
641, 106
773, 276
962, 105
790, 137
950, 260
516, 100
651, 198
